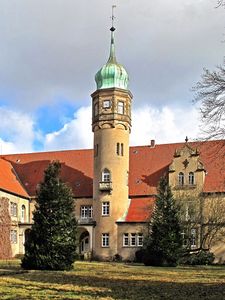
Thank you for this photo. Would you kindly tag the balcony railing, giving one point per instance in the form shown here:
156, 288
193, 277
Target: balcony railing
105, 185
86, 221
185, 186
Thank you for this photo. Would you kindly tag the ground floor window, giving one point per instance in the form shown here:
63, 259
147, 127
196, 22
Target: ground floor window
13, 236
132, 239
105, 240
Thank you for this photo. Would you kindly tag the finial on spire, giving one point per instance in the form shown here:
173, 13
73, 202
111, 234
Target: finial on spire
112, 56
113, 17
186, 139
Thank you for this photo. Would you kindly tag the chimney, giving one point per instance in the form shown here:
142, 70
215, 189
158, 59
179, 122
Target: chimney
152, 144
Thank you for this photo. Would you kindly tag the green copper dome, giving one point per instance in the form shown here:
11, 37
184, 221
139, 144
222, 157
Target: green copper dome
112, 74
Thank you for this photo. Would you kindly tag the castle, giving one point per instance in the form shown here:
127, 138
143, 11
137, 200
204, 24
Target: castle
114, 185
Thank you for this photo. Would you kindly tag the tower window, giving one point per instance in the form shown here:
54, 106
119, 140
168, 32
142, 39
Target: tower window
96, 109
181, 178
191, 178
105, 239
106, 176
105, 208
120, 107
96, 150
119, 149
13, 209
106, 104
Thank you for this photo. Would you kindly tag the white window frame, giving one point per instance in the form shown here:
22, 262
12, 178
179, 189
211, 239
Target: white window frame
86, 212
106, 175
120, 107
23, 213
105, 240
13, 209
140, 239
126, 240
133, 239
106, 103
13, 236
181, 179
193, 241
105, 208
191, 178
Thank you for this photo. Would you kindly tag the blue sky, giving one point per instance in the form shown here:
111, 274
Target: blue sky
51, 50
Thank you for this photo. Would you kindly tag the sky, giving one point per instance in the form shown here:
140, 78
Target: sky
51, 50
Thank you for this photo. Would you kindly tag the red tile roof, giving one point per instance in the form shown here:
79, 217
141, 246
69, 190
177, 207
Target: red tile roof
140, 209
9, 181
147, 165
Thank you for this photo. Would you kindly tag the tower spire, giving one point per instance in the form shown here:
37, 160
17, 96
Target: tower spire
112, 55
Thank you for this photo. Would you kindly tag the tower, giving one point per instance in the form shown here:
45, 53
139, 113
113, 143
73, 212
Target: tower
111, 124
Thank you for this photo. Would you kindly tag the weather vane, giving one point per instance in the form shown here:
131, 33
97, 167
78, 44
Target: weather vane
113, 17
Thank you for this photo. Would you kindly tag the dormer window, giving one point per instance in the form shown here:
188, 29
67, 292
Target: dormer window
191, 178
120, 107
181, 178
106, 176
106, 104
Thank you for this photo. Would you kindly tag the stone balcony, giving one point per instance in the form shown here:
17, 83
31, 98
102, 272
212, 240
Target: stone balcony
86, 221
105, 185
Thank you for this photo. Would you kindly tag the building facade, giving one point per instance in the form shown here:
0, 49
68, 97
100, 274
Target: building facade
115, 185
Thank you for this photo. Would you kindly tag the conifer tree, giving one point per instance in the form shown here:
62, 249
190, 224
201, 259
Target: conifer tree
164, 243
51, 243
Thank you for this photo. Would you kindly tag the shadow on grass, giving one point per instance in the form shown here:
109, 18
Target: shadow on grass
95, 286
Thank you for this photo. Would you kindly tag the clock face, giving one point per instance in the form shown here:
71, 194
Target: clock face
106, 103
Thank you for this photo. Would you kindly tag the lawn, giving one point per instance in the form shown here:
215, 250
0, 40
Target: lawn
112, 281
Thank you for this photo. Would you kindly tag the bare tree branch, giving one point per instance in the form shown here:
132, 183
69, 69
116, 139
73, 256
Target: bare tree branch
210, 92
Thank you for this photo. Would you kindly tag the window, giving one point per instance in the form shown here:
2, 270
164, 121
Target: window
106, 104
120, 107
96, 109
13, 209
106, 175
132, 239
105, 240
86, 211
23, 213
119, 149
125, 239
181, 178
105, 208
140, 239
13, 236
184, 238
191, 178
193, 238
96, 150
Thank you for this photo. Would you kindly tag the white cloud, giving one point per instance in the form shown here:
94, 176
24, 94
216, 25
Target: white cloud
75, 134
166, 125
16, 131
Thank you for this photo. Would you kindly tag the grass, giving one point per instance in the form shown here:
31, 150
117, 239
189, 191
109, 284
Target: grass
112, 281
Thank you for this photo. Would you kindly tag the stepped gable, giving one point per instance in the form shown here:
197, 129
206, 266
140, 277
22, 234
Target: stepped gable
9, 181
147, 165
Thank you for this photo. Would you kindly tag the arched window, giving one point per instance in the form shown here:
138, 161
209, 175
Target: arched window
23, 213
191, 178
106, 176
181, 178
